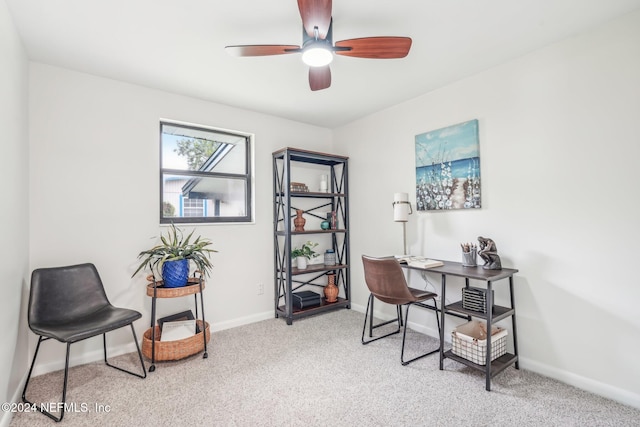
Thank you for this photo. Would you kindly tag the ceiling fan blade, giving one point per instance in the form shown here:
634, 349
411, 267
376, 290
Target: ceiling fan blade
315, 13
319, 77
375, 47
261, 49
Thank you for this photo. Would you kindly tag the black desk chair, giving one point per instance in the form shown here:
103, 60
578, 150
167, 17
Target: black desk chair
386, 282
69, 304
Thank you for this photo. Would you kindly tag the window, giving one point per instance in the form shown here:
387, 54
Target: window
205, 175
194, 207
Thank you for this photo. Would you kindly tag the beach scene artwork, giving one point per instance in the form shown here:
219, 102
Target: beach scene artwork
448, 168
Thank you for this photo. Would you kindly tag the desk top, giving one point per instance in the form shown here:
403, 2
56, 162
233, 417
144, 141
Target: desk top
457, 269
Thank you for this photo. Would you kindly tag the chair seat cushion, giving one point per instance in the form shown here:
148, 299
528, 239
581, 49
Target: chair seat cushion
99, 322
420, 295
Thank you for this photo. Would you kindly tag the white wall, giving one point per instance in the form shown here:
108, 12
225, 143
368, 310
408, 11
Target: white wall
94, 193
14, 167
559, 157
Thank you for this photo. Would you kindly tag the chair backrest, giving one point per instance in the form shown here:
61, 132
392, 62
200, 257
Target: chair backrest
61, 294
385, 280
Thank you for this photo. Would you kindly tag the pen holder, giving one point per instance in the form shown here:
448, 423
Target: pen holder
469, 258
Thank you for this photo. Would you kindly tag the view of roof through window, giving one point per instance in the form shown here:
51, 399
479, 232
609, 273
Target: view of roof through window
195, 149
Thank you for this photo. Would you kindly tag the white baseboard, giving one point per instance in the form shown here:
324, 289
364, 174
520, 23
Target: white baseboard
240, 321
596, 387
7, 416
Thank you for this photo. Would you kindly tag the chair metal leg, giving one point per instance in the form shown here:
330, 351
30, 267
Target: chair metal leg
62, 404
41, 407
135, 339
404, 334
372, 326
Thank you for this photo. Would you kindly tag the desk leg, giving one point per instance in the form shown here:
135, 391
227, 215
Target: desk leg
513, 323
442, 310
489, 311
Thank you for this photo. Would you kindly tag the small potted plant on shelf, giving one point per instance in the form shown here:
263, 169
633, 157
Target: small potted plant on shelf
303, 253
172, 257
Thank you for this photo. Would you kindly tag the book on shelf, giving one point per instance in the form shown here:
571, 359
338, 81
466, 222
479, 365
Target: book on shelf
299, 187
418, 261
172, 331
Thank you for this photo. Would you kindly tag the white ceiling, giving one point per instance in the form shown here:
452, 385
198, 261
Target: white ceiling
178, 46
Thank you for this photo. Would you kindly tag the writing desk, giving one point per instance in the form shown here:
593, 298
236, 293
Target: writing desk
491, 316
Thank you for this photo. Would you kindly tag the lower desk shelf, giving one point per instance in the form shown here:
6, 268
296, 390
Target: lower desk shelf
498, 365
498, 314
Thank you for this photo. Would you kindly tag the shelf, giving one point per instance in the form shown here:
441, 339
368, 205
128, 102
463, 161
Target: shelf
316, 268
310, 311
495, 315
313, 194
288, 278
497, 366
499, 312
319, 231
305, 156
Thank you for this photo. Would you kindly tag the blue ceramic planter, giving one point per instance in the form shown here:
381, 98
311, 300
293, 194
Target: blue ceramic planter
175, 273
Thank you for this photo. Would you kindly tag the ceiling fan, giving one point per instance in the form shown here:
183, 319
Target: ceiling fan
317, 48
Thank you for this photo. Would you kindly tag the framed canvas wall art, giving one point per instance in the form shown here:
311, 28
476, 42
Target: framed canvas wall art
448, 168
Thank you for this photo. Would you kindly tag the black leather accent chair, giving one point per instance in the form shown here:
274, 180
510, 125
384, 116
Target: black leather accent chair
69, 304
386, 282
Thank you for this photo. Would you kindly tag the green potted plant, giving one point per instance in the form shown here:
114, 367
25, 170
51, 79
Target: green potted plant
173, 255
303, 253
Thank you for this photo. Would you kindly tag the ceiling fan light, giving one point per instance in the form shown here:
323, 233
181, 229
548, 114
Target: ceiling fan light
317, 56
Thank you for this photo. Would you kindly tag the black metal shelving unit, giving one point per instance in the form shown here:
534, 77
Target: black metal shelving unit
287, 278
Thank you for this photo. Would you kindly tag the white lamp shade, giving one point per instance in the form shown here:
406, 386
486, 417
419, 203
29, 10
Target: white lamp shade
401, 207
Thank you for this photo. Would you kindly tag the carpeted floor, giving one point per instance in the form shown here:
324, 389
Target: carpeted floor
316, 373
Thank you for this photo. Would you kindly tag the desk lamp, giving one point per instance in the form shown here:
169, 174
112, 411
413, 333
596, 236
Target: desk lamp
401, 211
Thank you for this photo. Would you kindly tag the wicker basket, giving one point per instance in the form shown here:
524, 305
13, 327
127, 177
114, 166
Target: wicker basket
174, 350
470, 342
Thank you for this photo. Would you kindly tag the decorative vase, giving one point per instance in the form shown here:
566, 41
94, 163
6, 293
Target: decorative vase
331, 290
175, 273
325, 225
329, 257
323, 184
301, 262
299, 220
